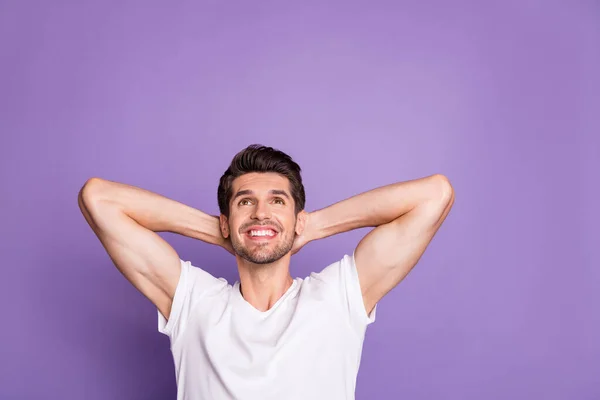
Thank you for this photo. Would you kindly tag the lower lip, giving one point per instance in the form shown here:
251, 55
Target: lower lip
261, 238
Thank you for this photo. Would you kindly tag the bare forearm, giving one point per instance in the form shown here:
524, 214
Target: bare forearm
378, 206
153, 211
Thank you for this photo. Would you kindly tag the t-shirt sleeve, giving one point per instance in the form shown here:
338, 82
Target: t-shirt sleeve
342, 277
194, 284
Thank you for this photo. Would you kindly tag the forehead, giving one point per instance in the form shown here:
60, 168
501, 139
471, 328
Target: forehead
260, 182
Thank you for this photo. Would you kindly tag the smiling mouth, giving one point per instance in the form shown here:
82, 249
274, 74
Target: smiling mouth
261, 234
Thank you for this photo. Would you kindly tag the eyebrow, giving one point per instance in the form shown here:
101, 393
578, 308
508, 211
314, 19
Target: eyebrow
273, 191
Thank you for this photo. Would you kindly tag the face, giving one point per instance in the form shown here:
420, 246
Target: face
262, 223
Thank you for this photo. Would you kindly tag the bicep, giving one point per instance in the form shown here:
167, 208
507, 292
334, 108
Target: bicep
386, 255
146, 260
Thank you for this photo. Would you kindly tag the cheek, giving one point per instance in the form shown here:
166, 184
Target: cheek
231, 227
291, 226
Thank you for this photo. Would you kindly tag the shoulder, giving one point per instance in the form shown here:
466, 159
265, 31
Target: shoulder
332, 278
195, 286
340, 281
334, 271
200, 280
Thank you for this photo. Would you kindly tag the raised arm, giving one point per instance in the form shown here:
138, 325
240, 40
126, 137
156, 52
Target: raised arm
406, 216
125, 219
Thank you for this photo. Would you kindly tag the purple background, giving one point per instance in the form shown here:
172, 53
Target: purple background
498, 97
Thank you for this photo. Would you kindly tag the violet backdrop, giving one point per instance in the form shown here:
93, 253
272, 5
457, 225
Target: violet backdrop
501, 97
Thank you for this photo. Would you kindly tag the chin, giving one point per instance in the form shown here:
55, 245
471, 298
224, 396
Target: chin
261, 256
265, 253
264, 257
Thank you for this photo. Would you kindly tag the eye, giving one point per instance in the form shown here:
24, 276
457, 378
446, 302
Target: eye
243, 202
279, 199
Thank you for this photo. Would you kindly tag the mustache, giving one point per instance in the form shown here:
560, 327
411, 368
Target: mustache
245, 227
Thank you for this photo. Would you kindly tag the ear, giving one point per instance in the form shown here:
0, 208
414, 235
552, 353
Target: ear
224, 225
301, 222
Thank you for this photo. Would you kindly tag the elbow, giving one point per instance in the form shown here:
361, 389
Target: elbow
90, 189
444, 192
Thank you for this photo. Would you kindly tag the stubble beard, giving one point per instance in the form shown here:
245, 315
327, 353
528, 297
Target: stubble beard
264, 253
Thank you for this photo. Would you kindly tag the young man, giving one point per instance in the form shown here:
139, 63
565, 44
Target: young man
267, 336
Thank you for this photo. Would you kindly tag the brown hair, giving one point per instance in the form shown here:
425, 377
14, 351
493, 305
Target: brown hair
258, 158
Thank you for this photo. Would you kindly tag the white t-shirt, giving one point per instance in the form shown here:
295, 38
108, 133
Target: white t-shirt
306, 347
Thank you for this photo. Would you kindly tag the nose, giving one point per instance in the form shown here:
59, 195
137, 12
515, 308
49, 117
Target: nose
261, 211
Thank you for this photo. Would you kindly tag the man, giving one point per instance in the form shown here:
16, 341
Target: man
267, 336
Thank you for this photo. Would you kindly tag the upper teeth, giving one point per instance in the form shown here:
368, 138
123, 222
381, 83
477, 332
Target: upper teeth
262, 233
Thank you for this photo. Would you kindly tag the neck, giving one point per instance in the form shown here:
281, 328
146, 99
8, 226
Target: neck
262, 285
